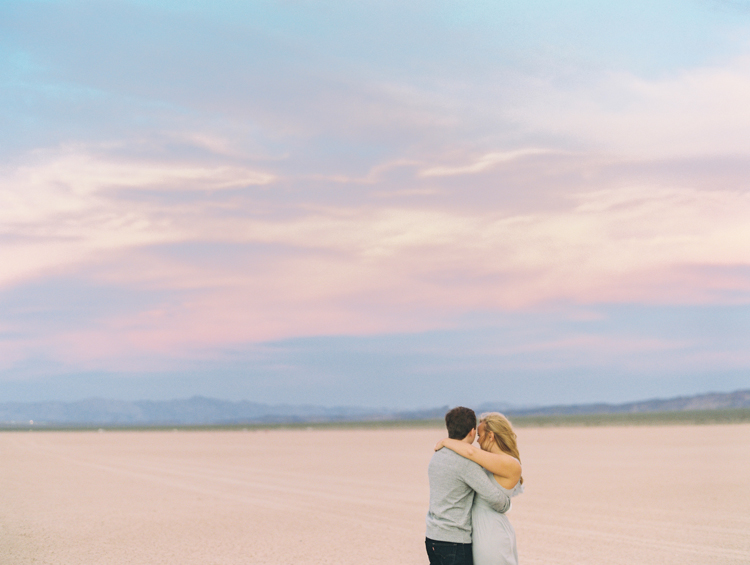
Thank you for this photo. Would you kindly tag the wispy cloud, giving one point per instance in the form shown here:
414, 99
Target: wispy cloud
82, 174
694, 111
61, 208
483, 163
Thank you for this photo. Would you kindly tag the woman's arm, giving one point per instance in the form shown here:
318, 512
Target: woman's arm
500, 464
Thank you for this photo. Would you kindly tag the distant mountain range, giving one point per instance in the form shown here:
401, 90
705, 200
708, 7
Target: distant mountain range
708, 401
200, 410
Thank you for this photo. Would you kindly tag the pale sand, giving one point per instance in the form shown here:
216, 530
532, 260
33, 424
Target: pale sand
610, 495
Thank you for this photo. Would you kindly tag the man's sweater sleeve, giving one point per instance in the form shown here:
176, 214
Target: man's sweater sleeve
478, 480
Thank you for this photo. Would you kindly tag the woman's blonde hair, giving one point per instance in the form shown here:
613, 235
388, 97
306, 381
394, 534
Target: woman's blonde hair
505, 437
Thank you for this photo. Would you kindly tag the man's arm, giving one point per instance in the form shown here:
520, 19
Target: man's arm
478, 480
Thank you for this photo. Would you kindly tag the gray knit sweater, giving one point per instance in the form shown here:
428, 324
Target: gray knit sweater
453, 481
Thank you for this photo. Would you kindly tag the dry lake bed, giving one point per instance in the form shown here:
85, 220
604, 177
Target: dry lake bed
594, 495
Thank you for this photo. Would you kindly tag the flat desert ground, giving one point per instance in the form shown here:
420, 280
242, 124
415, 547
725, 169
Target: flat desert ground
598, 495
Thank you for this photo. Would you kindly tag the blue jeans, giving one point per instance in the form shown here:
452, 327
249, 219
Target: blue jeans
448, 553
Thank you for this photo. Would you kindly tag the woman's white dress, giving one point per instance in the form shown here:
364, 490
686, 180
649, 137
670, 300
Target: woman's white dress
493, 539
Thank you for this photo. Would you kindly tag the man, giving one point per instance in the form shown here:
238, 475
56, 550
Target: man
453, 482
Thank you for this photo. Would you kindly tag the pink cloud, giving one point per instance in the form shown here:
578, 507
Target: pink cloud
370, 265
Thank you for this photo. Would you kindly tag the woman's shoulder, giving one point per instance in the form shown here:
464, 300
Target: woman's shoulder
514, 490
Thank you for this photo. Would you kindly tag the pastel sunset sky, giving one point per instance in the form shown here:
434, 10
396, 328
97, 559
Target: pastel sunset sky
401, 204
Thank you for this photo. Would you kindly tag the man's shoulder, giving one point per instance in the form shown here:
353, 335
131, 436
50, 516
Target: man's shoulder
445, 455
445, 458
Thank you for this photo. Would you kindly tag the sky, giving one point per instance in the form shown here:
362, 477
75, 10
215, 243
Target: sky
379, 204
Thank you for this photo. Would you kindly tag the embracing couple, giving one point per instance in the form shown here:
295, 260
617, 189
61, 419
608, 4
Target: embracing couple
470, 491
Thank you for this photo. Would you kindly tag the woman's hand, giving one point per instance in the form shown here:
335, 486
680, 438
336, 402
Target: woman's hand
439, 445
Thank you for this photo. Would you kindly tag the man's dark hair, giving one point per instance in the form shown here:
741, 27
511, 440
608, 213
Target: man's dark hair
460, 421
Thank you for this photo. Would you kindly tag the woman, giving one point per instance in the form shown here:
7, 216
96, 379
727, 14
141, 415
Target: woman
493, 538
